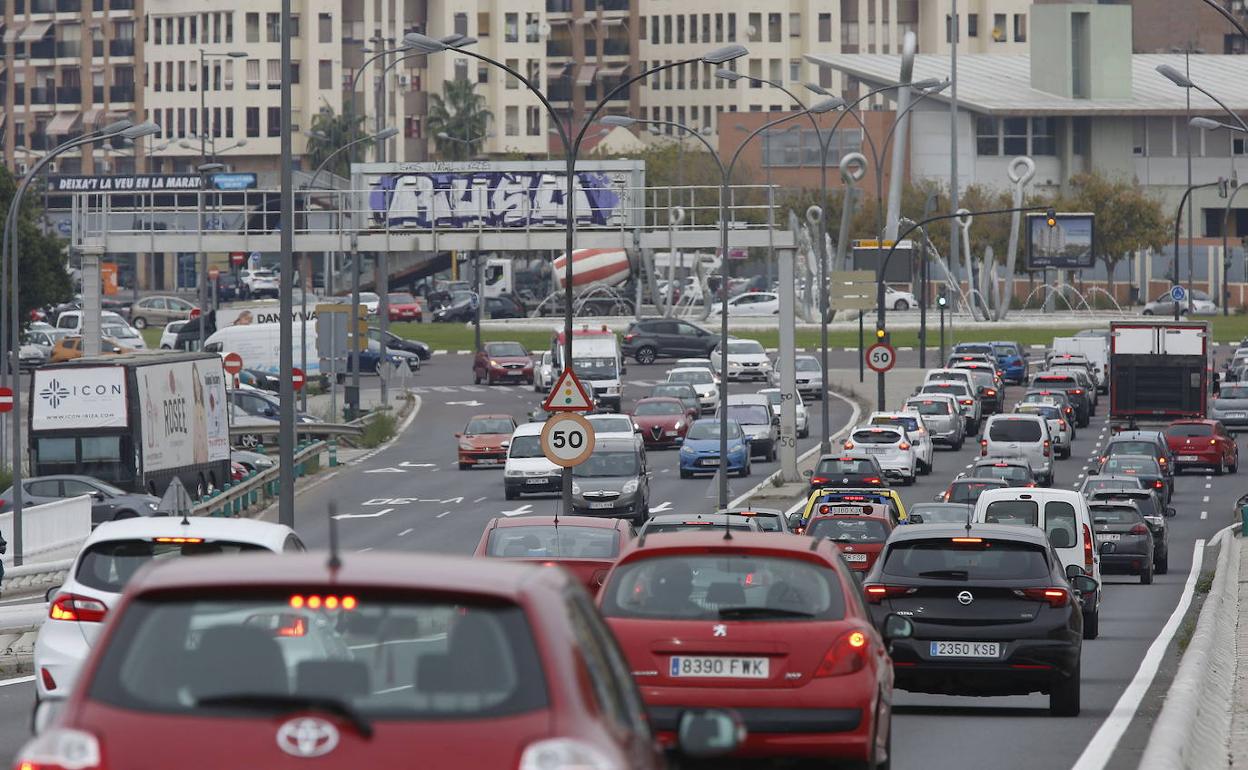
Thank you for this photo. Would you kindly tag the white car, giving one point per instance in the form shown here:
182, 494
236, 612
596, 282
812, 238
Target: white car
808, 376
169, 337
703, 383
752, 303
619, 426
259, 282
803, 417
527, 470
895, 299
1020, 435
747, 360
890, 447
696, 363
127, 336
110, 555
544, 373
916, 432
370, 302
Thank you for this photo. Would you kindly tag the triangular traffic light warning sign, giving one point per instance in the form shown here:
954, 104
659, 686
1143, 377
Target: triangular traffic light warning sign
568, 395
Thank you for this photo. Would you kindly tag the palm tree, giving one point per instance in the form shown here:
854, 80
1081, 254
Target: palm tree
461, 114
329, 132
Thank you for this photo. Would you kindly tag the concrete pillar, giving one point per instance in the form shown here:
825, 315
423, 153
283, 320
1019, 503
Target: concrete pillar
787, 362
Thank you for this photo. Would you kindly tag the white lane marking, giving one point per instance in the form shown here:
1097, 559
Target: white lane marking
479, 499
382, 512
1206, 499
440, 515
439, 352
18, 680
666, 470
1099, 750
520, 511
1209, 477
1204, 515
405, 532
661, 507
1081, 475
365, 550
462, 352
1208, 486
386, 470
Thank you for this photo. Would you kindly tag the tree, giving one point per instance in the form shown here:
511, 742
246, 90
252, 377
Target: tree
41, 257
460, 113
330, 132
1127, 218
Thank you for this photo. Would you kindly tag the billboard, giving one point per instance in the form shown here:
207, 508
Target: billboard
78, 399
184, 414
499, 195
1065, 246
866, 256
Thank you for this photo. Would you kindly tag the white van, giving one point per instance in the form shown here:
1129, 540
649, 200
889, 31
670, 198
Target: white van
527, 470
1063, 515
1094, 349
260, 346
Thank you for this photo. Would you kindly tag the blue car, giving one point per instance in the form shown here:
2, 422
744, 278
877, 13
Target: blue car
700, 452
1012, 361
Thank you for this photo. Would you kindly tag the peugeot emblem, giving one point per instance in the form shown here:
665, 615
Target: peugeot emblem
307, 737
965, 597
719, 629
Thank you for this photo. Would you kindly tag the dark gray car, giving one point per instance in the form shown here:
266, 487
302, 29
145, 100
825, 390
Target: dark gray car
612, 482
107, 501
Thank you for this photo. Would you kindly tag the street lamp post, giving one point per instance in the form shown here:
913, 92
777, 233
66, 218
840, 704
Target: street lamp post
468, 142
571, 146
1178, 220
9, 251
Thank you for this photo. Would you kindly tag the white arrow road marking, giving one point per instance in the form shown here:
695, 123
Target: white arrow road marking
405, 532
382, 512
406, 464
479, 499
518, 511
386, 470
661, 507
456, 500
440, 515
464, 403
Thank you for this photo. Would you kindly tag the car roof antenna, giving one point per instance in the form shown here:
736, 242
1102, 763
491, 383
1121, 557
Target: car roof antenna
727, 517
335, 563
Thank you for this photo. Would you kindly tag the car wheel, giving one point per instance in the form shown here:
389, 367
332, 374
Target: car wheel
957, 447
464, 466
1091, 624
747, 470
1147, 312
684, 474
1162, 566
1064, 695
509, 494
1146, 577
645, 355
901, 304
804, 433
140, 323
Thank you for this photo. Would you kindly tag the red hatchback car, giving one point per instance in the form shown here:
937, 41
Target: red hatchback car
859, 538
502, 362
663, 421
1202, 443
768, 625
585, 545
404, 307
483, 442
270, 662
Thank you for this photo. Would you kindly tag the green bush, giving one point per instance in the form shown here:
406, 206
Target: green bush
6, 478
378, 430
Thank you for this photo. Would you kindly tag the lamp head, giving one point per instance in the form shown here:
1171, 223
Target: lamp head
827, 105
1208, 124
147, 128
1174, 76
725, 54
422, 43
723, 73
385, 133
817, 89
617, 121
925, 83
117, 127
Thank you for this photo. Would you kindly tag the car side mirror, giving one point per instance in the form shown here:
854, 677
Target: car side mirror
459, 435
1171, 511
1073, 571
97, 496
775, 421
270, 412
1084, 584
709, 732
896, 627
808, 473
915, 518
1107, 548
795, 521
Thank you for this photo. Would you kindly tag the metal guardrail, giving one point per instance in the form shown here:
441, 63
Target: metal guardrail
328, 429
257, 490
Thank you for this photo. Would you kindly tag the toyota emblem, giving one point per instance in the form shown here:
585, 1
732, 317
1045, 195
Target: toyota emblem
307, 737
965, 597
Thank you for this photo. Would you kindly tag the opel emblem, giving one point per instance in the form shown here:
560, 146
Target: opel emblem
719, 629
307, 737
965, 597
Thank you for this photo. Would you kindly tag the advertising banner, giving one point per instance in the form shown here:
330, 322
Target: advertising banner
1065, 246
184, 414
78, 399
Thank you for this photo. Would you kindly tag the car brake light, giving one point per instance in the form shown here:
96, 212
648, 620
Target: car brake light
845, 656
82, 609
1056, 597
1047, 448
630, 337
1162, 460
1139, 529
967, 402
1087, 549
1077, 391
967, 539
983, 447
990, 392
872, 479
1061, 424
903, 446
877, 592
1157, 484
179, 540
59, 748
818, 480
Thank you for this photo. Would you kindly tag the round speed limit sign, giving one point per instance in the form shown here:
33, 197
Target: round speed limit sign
567, 439
881, 357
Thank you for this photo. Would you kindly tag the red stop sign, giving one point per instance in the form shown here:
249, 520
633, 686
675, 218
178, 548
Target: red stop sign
296, 378
233, 363
6, 400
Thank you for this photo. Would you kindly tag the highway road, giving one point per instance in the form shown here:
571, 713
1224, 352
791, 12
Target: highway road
411, 496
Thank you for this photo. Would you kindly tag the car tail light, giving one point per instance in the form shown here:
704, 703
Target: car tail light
1077, 391
1048, 448
990, 392
818, 480
49, 683
872, 480
564, 754
967, 402
1056, 597
1158, 484
849, 445
983, 447
1061, 424
630, 337
1162, 460
1139, 529
903, 446
845, 656
1087, 549
60, 749
77, 608
1213, 441
878, 592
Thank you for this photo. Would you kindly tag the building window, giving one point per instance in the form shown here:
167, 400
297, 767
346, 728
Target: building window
511, 28
325, 28
461, 69
719, 28
972, 25
1043, 136
1020, 28
532, 121
512, 82
294, 73
825, 28
1014, 132
998, 28
325, 75
1160, 137
273, 27
732, 28
800, 147
483, 72
693, 28
987, 136
654, 30
774, 32
253, 74
483, 23
460, 24
253, 121
194, 31
1139, 137
667, 30
948, 28
253, 28
294, 26
275, 74
795, 70
795, 25
754, 32
229, 122
511, 121
531, 28
642, 29
229, 28
680, 29
275, 121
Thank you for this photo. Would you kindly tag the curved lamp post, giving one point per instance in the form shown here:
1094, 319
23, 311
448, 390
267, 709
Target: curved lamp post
1208, 124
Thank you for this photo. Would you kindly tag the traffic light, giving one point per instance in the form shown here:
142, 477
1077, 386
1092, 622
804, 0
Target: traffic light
941, 300
1050, 218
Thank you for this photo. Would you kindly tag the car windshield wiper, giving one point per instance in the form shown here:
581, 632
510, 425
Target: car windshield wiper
952, 574
751, 612
291, 702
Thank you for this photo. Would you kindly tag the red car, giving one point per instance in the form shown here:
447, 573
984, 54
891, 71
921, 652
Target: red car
585, 545
484, 441
404, 307
768, 625
859, 538
1202, 443
273, 661
502, 362
662, 421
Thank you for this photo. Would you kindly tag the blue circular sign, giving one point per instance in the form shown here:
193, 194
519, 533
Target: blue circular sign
1178, 293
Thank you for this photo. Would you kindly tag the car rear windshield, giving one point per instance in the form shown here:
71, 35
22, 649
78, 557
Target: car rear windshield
1132, 448
709, 429
651, 408
877, 436
1097, 485
948, 376
525, 446
1015, 430
674, 391
909, 423
847, 530
930, 406
612, 424
1021, 513
382, 657
691, 377
1041, 410
711, 587
505, 349
750, 414
845, 465
1145, 503
986, 560
806, 365
568, 542
952, 388
694, 525
1012, 473
1192, 428
1113, 514
1131, 465
1004, 350
489, 426
968, 491
941, 514
1233, 391
747, 347
108, 565
608, 465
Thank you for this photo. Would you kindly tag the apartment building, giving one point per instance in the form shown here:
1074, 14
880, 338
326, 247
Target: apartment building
212, 80
68, 67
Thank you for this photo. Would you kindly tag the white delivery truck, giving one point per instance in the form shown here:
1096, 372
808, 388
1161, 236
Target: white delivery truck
596, 361
1095, 349
260, 346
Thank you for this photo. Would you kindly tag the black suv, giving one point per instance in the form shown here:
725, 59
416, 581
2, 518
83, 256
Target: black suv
993, 611
652, 338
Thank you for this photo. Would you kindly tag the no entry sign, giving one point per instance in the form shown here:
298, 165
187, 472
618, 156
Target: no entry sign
296, 378
6, 400
233, 363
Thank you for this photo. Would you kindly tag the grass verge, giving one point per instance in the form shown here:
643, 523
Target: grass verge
378, 430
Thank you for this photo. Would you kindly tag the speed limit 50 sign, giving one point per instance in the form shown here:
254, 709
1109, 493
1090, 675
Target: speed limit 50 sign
567, 439
881, 357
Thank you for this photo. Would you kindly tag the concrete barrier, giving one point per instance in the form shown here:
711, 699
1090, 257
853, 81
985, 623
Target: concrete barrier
49, 530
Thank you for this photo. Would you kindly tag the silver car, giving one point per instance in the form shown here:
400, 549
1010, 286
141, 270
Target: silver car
753, 413
807, 376
613, 482
1020, 435
1199, 302
1231, 406
942, 418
